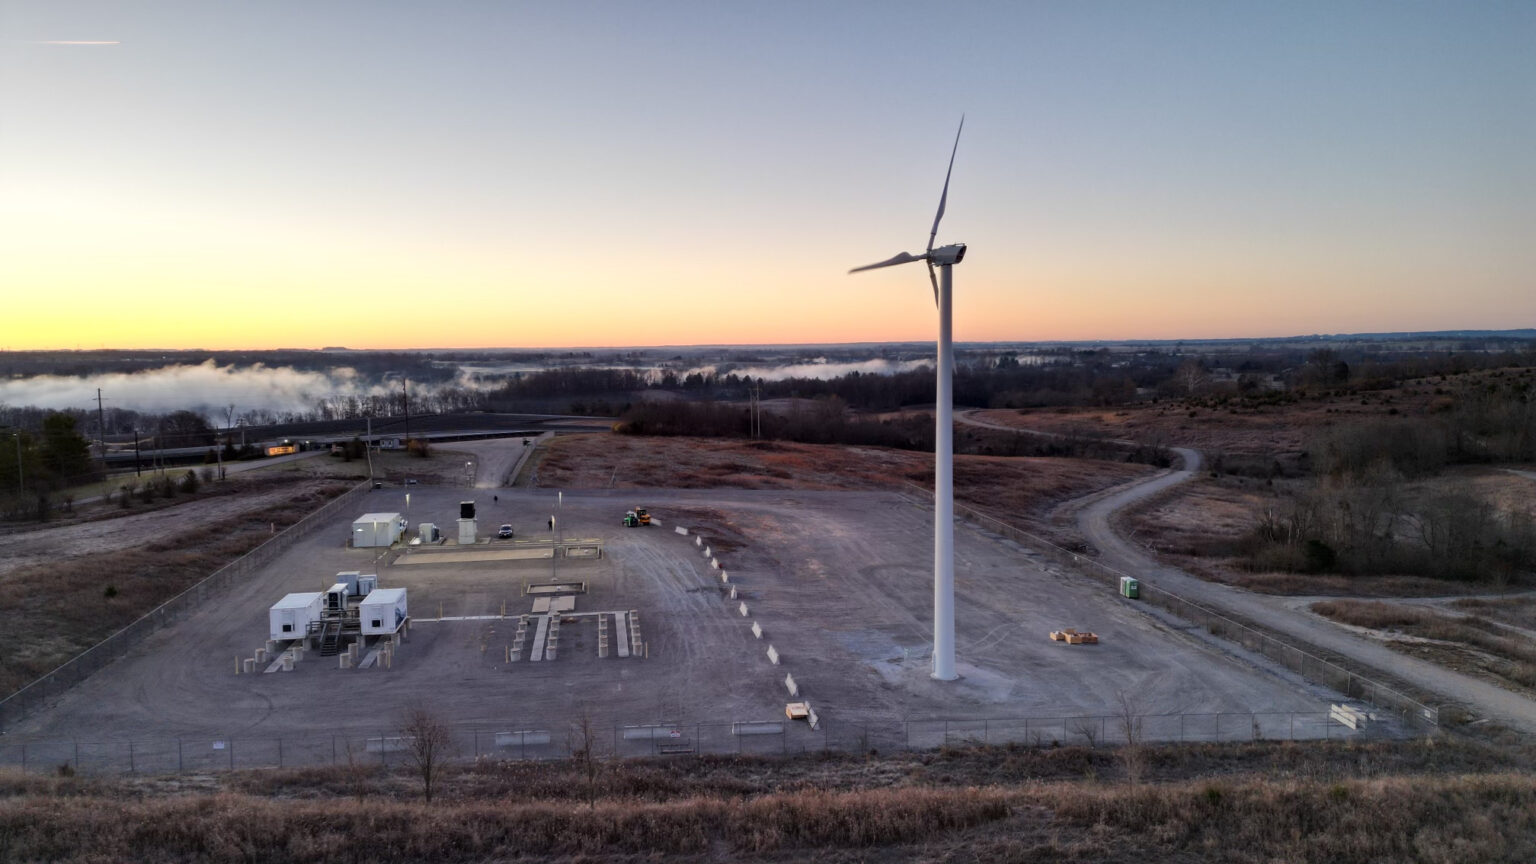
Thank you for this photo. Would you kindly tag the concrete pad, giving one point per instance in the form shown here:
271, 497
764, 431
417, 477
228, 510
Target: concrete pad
466, 557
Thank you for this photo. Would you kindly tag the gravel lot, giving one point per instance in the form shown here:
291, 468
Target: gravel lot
839, 581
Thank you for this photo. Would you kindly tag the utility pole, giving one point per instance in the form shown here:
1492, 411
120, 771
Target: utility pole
405, 396
101, 422
20, 489
137, 472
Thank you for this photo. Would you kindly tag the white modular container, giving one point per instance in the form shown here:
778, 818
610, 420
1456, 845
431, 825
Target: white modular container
382, 611
289, 618
377, 529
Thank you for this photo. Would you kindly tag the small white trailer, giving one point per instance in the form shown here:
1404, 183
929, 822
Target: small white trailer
377, 529
291, 616
383, 611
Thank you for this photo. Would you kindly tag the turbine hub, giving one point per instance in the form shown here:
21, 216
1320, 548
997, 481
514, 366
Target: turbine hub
946, 255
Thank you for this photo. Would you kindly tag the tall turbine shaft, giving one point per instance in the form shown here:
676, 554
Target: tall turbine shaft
944, 493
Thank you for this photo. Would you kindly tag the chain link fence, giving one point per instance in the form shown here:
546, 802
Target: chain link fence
1353, 685
50, 686
386, 747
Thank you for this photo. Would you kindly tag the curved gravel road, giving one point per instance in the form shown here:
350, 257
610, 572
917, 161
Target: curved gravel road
1483, 698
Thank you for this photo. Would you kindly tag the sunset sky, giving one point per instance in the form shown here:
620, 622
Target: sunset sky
520, 174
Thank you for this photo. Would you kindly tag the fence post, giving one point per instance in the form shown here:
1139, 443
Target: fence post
77, 756
231, 754
132, 768
477, 742
333, 749
23, 758
1181, 728
180, 767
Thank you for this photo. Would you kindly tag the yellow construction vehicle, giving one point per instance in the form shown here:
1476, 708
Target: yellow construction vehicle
642, 515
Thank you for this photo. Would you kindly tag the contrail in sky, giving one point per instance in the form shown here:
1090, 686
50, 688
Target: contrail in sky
74, 42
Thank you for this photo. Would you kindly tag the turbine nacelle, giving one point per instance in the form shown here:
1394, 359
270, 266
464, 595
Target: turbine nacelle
944, 256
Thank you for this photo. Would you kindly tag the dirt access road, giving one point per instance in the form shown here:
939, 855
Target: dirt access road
1115, 551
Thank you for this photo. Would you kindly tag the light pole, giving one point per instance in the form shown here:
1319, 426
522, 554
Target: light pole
469, 472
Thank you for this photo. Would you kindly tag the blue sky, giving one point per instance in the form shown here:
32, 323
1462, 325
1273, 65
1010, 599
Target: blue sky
528, 174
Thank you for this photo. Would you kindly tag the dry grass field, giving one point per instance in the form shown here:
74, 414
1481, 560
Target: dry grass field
1338, 803
1019, 489
1466, 643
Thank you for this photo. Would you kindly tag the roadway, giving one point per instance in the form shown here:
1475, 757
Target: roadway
1096, 522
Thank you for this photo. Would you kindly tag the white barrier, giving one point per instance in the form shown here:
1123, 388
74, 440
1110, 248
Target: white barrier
520, 739
743, 608
648, 733
789, 683
757, 630
724, 576
733, 592
810, 716
773, 655
697, 540
715, 563
681, 530
708, 552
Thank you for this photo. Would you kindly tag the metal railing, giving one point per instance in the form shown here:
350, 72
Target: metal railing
73, 671
387, 747
1352, 684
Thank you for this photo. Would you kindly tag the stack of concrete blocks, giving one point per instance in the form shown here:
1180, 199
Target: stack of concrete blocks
552, 644
516, 651
602, 636
635, 643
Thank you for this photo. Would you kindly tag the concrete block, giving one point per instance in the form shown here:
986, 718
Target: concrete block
697, 540
773, 655
346, 662
742, 608
790, 685
708, 552
733, 592
288, 663
261, 655
680, 529
250, 665
715, 563
757, 630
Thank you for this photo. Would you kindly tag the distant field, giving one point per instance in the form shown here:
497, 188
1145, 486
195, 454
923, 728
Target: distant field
1013, 488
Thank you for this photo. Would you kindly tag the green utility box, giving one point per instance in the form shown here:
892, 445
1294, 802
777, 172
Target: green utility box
1129, 588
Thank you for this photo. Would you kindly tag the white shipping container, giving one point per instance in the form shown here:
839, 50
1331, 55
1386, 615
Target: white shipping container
377, 529
289, 618
382, 611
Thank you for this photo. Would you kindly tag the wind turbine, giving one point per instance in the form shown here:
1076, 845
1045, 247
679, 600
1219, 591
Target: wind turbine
946, 257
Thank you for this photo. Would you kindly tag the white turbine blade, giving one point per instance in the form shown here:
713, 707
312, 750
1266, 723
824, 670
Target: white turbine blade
902, 258
944, 197
935, 280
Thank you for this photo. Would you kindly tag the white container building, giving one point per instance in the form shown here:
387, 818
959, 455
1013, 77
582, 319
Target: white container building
383, 611
377, 529
290, 617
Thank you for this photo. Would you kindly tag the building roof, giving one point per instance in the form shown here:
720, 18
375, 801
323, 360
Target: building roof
383, 597
376, 517
301, 600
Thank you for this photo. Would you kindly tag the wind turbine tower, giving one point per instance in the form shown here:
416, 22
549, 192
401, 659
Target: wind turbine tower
945, 257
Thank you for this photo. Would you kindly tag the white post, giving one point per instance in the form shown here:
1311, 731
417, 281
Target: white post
944, 495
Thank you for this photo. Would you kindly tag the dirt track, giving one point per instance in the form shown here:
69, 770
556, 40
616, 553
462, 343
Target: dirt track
1095, 523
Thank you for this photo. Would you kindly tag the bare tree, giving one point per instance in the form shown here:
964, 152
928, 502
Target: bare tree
427, 740
582, 740
1133, 754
